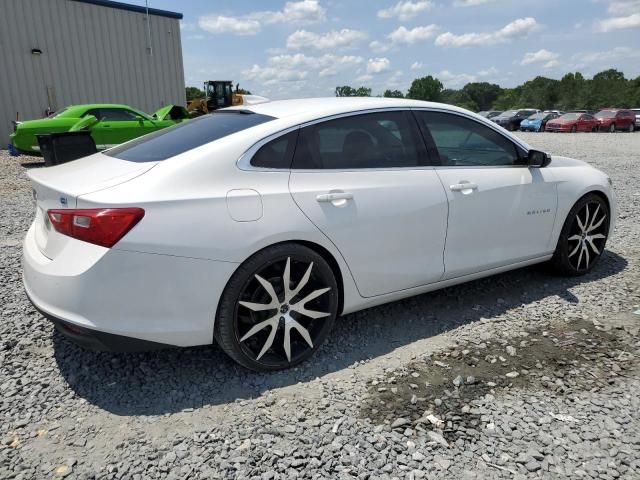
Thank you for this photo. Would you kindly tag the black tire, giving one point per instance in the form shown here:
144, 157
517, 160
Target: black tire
541, 129
612, 128
631, 128
569, 258
574, 129
234, 320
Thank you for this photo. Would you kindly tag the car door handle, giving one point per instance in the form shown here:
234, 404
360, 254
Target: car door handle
459, 187
333, 197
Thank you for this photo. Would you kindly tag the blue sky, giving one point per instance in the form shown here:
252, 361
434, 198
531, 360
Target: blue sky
285, 49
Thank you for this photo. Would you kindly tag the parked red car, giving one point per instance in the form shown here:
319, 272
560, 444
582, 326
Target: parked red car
612, 119
573, 122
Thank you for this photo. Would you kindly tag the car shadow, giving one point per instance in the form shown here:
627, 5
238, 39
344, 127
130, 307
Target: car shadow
30, 165
172, 380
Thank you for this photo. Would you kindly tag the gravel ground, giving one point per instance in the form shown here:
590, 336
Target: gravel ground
521, 375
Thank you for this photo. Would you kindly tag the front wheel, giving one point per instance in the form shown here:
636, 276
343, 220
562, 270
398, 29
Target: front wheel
631, 128
541, 128
278, 308
583, 237
612, 128
574, 129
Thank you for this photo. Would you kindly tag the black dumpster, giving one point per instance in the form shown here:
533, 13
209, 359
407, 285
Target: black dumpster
57, 148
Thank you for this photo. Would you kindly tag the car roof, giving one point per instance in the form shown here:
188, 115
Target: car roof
307, 109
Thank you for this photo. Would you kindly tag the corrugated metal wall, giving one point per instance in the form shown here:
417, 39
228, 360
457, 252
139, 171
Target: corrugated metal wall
90, 54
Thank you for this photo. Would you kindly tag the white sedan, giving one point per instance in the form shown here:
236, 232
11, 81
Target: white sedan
256, 226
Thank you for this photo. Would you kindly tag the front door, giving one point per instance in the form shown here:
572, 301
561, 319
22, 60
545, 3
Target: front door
119, 125
500, 211
363, 182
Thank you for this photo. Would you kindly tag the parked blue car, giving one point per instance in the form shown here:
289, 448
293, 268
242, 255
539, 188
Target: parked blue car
537, 121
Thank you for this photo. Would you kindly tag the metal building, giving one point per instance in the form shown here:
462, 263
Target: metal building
55, 53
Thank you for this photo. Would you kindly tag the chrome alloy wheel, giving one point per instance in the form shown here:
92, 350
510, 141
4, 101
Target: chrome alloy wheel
281, 311
587, 236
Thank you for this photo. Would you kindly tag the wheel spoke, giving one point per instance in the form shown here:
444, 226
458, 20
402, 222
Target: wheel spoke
586, 252
593, 246
290, 294
593, 225
287, 343
575, 250
304, 333
268, 343
259, 307
593, 218
269, 288
580, 225
273, 322
580, 256
575, 237
311, 313
598, 236
308, 298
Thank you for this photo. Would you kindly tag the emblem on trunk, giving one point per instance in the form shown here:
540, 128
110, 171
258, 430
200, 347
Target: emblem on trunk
63, 201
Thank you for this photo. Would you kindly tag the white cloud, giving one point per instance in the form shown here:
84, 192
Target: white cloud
378, 65
328, 60
472, 3
186, 26
619, 23
364, 78
606, 59
455, 80
488, 72
274, 75
551, 64
416, 65
235, 26
516, 29
623, 7
405, 10
301, 13
404, 36
541, 55
330, 40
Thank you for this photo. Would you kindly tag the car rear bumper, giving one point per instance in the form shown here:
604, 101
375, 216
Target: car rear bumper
101, 295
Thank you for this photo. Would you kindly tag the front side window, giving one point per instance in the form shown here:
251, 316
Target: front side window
185, 136
117, 115
460, 141
370, 140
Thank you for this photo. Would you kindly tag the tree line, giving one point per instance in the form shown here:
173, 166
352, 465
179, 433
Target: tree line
608, 88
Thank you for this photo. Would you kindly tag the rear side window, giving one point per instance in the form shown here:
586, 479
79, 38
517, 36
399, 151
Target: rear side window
277, 153
371, 140
464, 142
186, 136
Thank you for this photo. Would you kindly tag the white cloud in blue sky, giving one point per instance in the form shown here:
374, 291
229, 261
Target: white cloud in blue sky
299, 48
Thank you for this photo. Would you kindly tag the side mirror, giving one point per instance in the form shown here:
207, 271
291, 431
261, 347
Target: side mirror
139, 118
538, 159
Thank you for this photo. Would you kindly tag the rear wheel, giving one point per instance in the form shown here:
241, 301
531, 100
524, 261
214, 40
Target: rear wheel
541, 128
278, 308
631, 128
612, 128
583, 237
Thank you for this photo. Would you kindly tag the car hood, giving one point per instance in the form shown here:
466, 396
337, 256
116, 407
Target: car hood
162, 113
558, 161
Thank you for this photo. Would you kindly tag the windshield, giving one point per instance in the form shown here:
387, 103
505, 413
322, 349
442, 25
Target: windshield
570, 116
185, 136
538, 116
605, 114
508, 113
58, 112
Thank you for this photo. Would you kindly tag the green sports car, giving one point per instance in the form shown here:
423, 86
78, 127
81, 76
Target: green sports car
109, 124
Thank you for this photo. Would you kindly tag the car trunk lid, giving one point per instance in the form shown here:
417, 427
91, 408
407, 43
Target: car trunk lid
60, 186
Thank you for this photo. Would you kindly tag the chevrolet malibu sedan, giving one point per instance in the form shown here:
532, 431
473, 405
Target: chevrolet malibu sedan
573, 122
256, 227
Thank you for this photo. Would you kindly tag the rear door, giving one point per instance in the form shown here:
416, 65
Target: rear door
500, 211
363, 180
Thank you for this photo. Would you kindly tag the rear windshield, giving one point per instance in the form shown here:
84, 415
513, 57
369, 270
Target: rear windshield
187, 135
570, 116
605, 114
538, 116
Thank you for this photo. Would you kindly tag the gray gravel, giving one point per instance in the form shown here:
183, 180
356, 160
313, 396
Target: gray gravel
521, 375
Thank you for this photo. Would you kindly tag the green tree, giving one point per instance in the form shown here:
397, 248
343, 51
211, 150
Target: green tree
459, 98
571, 91
426, 88
541, 92
483, 94
393, 94
193, 93
347, 91
507, 100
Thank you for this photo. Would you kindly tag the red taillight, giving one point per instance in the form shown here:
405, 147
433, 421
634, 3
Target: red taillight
101, 226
